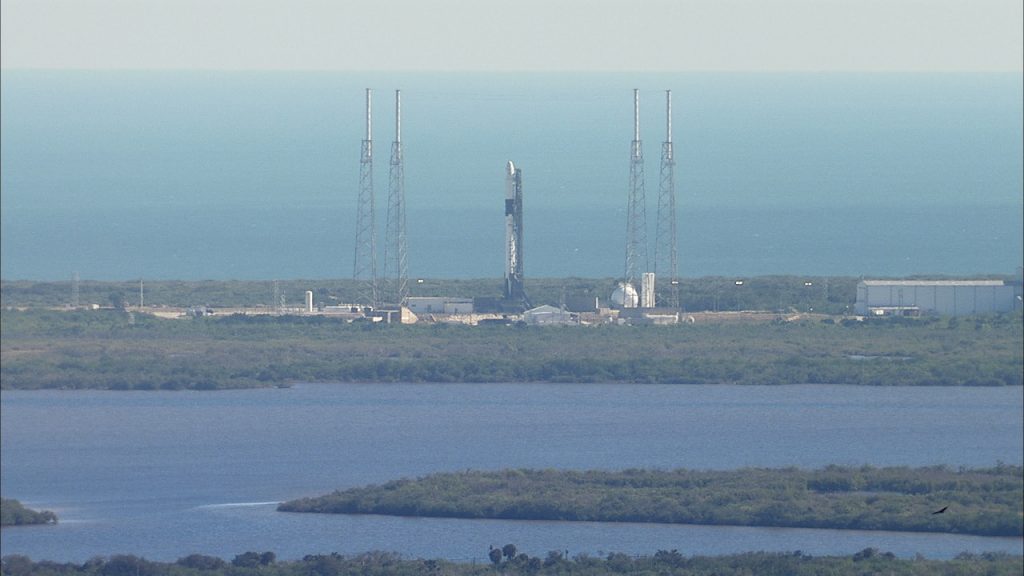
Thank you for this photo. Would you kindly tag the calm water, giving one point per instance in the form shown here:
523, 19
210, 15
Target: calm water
246, 175
168, 474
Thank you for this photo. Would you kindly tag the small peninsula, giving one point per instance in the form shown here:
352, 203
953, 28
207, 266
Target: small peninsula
13, 513
980, 501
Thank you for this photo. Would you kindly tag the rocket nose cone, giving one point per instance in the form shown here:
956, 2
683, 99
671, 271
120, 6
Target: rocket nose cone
510, 169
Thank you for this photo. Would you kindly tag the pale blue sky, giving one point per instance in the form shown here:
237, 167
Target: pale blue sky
599, 35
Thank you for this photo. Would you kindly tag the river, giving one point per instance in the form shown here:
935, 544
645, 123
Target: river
166, 474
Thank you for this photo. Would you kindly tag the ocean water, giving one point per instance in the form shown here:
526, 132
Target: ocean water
166, 474
254, 175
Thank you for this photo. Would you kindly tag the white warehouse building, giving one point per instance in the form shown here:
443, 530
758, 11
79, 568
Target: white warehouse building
945, 297
549, 316
439, 305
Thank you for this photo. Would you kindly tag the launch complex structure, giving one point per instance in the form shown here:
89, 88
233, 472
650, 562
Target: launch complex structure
666, 255
391, 289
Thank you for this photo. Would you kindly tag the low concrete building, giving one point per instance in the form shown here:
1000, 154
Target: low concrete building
458, 306
648, 316
439, 305
944, 297
661, 317
402, 315
549, 316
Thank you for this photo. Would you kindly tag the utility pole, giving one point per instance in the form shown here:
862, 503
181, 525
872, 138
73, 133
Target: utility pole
75, 281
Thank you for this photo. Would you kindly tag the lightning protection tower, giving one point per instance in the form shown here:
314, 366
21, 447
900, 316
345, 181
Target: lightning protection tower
396, 272
636, 211
365, 264
665, 255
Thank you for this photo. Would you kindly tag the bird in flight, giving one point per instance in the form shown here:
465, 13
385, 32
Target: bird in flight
940, 510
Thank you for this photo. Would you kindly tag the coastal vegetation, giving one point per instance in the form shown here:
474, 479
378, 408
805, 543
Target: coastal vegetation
13, 513
988, 501
830, 295
114, 349
508, 560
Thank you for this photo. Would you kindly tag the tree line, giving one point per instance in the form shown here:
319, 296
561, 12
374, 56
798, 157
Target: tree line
116, 350
554, 563
832, 295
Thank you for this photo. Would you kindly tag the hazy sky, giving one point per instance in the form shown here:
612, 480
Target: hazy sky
630, 35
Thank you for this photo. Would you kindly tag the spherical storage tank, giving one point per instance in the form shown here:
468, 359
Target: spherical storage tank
625, 296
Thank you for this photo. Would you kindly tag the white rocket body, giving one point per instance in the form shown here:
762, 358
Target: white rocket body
511, 257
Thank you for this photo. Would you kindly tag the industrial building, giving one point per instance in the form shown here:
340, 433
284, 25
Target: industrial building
549, 316
439, 305
942, 297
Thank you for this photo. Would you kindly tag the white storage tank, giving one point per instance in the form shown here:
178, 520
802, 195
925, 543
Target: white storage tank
625, 296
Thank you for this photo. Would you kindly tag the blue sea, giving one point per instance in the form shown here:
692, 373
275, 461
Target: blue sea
254, 175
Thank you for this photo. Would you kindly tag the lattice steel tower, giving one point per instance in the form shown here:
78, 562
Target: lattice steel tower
665, 251
636, 211
396, 272
364, 270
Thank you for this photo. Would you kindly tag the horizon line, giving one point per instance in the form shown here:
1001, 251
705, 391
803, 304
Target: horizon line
525, 70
